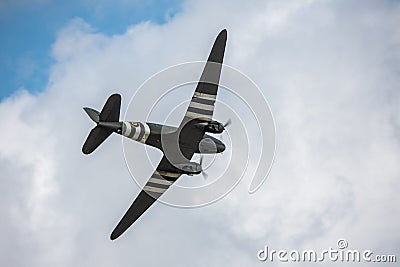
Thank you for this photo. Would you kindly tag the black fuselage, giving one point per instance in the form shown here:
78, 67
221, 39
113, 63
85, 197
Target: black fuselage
161, 136
158, 132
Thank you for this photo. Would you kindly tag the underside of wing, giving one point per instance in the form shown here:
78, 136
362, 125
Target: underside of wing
158, 183
202, 103
201, 107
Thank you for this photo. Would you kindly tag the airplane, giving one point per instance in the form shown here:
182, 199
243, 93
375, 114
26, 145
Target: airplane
178, 144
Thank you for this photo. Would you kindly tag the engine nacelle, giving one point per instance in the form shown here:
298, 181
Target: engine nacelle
212, 127
189, 168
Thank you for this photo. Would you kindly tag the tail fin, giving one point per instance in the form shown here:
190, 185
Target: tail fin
109, 114
111, 109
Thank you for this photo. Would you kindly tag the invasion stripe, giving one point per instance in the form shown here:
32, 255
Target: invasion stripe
146, 133
142, 131
203, 101
154, 189
132, 133
156, 175
157, 185
201, 106
193, 115
126, 129
200, 111
160, 181
137, 132
204, 96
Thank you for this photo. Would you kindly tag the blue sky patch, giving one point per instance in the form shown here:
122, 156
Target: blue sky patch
28, 29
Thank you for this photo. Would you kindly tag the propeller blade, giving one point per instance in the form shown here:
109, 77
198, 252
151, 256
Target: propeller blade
205, 175
228, 123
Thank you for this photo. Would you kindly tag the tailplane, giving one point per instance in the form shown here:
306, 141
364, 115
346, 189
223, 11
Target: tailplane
107, 122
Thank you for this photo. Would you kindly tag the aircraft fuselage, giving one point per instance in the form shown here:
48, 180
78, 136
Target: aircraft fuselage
158, 136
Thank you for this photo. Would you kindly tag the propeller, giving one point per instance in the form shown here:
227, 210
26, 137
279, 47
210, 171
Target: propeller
205, 175
229, 122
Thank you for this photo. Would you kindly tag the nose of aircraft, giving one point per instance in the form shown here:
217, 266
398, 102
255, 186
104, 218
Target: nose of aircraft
221, 147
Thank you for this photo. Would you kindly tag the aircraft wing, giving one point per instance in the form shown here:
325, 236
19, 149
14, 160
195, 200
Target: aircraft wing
201, 107
158, 183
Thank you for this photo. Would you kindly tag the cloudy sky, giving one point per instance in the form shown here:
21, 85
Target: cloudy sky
329, 70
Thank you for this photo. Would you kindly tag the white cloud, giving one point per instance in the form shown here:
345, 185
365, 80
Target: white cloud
329, 71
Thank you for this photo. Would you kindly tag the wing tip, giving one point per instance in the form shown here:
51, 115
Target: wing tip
114, 235
85, 151
223, 34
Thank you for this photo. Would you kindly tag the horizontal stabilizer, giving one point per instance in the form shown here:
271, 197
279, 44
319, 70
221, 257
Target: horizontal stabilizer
96, 136
93, 114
